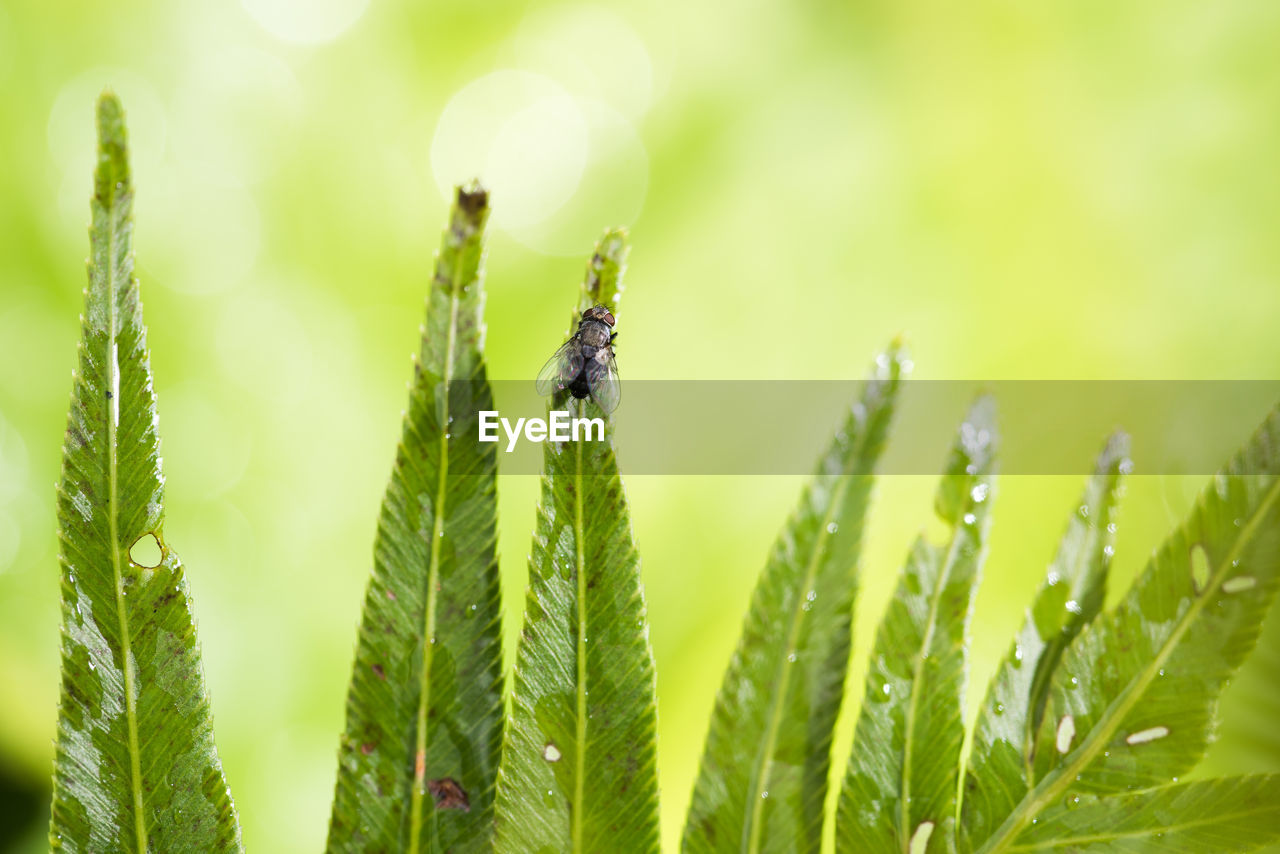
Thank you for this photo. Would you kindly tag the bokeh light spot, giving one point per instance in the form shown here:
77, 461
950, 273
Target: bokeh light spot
202, 236
214, 447
610, 193
240, 118
306, 21
10, 540
522, 135
264, 347
592, 51
560, 168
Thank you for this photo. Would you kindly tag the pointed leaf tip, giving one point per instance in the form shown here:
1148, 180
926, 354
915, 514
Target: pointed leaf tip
894, 362
424, 704
900, 788
603, 282
111, 178
472, 202
972, 454
135, 764
1115, 456
763, 778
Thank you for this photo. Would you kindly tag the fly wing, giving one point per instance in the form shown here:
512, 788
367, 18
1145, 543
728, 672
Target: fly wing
561, 369
602, 380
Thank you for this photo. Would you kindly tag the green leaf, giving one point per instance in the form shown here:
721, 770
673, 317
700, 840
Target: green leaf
578, 771
136, 768
900, 791
763, 780
1132, 703
419, 757
1222, 816
1001, 768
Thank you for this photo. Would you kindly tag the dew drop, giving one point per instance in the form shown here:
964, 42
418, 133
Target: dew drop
969, 518
551, 753
832, 527
979, 492
1074, 607
791, 657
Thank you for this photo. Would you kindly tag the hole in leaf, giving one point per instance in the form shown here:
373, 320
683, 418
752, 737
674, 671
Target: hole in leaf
1199, 567
146, 551
1066, 734
920, 839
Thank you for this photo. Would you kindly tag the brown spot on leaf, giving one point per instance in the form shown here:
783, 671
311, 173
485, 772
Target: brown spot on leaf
367, 748
448, 795
379, 672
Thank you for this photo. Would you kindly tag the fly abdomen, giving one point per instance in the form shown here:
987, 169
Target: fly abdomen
579, 388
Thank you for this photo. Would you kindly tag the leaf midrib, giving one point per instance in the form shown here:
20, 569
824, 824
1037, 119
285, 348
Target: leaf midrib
1050, 655
913, 699
418, 793
580, 751
756, 796
1057, 781
1062, 841
113, 512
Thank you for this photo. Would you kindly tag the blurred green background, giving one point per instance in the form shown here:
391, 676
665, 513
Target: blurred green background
1049, 190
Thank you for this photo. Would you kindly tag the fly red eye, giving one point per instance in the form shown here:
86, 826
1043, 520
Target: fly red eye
608, 318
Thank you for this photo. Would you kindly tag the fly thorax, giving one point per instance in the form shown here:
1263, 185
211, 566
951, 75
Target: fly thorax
593, 333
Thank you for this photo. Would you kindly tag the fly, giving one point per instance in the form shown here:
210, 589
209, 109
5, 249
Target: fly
584, 366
